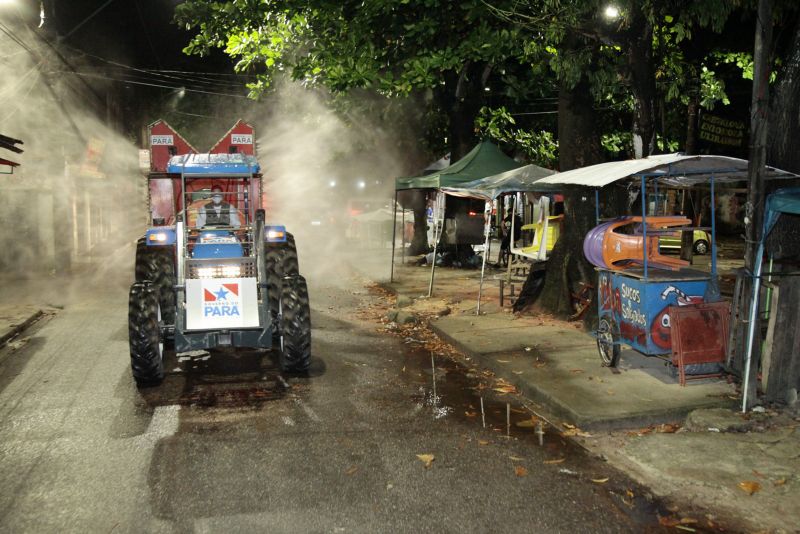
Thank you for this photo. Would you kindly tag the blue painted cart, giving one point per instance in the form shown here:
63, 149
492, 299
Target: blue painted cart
634, 309
634, 304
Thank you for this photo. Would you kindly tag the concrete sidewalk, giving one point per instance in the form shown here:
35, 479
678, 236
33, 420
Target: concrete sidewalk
742, 468
555, 362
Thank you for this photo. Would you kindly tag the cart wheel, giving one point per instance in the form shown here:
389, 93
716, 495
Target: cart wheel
607, 343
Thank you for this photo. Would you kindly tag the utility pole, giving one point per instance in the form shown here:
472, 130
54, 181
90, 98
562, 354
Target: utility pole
754, 209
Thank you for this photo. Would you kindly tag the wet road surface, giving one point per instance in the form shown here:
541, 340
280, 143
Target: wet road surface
228, 444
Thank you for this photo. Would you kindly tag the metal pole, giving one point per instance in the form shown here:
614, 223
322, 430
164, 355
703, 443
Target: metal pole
751, 323
403, 231
644, 224
597, 206
394, 236
440, 200
713, 231
486, 228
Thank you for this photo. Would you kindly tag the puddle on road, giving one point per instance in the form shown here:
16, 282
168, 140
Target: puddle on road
458, 393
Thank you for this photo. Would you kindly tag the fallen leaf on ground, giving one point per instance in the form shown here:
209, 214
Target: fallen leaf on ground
471, 414
528, 423
779, 482
556, 461
520, 471
427, 459
575, 432
600, 480
517, 372
668, 428
515, 458
482, 442
629, 493
750, 486
504, 361
669, 521
576, 371
351, 471
505, 389
567, 425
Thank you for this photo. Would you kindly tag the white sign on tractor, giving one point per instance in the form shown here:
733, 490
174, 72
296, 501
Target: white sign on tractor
162, 140
241, 139
214, 303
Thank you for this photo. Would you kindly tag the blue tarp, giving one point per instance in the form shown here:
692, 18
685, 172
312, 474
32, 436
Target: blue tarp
785, 200
213, 164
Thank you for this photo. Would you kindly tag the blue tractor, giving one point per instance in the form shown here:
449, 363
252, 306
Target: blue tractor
210, 272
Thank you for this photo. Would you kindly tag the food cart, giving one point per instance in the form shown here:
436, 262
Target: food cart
656, 304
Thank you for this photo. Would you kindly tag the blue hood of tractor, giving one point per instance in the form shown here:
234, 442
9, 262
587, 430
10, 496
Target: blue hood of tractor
217, 244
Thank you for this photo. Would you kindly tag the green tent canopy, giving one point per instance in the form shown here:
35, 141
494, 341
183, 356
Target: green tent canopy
486, 159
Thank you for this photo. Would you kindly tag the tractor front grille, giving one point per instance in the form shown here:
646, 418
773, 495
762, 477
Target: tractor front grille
212, 268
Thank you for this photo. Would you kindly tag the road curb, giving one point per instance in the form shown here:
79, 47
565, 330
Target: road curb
19, 327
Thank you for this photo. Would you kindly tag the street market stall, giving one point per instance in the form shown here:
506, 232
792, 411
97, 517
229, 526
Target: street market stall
523, 179
657, 305
486, 159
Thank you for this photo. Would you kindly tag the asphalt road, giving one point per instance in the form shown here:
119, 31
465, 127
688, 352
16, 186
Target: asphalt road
227, 444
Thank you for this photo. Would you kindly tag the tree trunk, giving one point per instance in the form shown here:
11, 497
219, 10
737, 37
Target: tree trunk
643, 85
784, 118
692, 109
754, 209
416, 199
467, 93
579, 146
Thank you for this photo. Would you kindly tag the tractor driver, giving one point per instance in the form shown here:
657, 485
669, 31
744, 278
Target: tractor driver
217, 212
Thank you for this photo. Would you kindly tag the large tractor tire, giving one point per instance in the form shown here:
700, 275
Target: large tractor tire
157, 266
144, 335
282, 257
295, 325
281, 261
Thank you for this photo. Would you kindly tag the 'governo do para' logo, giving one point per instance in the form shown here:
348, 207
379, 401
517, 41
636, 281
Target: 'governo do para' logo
221, 301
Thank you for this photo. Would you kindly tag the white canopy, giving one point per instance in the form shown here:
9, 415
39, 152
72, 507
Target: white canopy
674, 169
525, 178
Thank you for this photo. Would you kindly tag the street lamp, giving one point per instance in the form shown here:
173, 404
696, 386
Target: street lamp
611, 12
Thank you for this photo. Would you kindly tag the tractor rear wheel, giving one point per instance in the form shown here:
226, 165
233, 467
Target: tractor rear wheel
144, 334
295, 325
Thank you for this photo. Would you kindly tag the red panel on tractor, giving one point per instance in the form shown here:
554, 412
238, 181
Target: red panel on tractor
239, 139
165, 142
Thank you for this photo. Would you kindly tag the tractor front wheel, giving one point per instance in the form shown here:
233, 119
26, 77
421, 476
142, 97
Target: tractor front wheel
144, 334
157, 266
295, 325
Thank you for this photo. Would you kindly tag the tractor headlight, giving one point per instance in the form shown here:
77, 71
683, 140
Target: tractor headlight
160, 237
274, 234
231, 271
206, 272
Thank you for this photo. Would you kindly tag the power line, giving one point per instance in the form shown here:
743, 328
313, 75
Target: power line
145, 76
87, 19
150, 71
147, 33
134, 82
